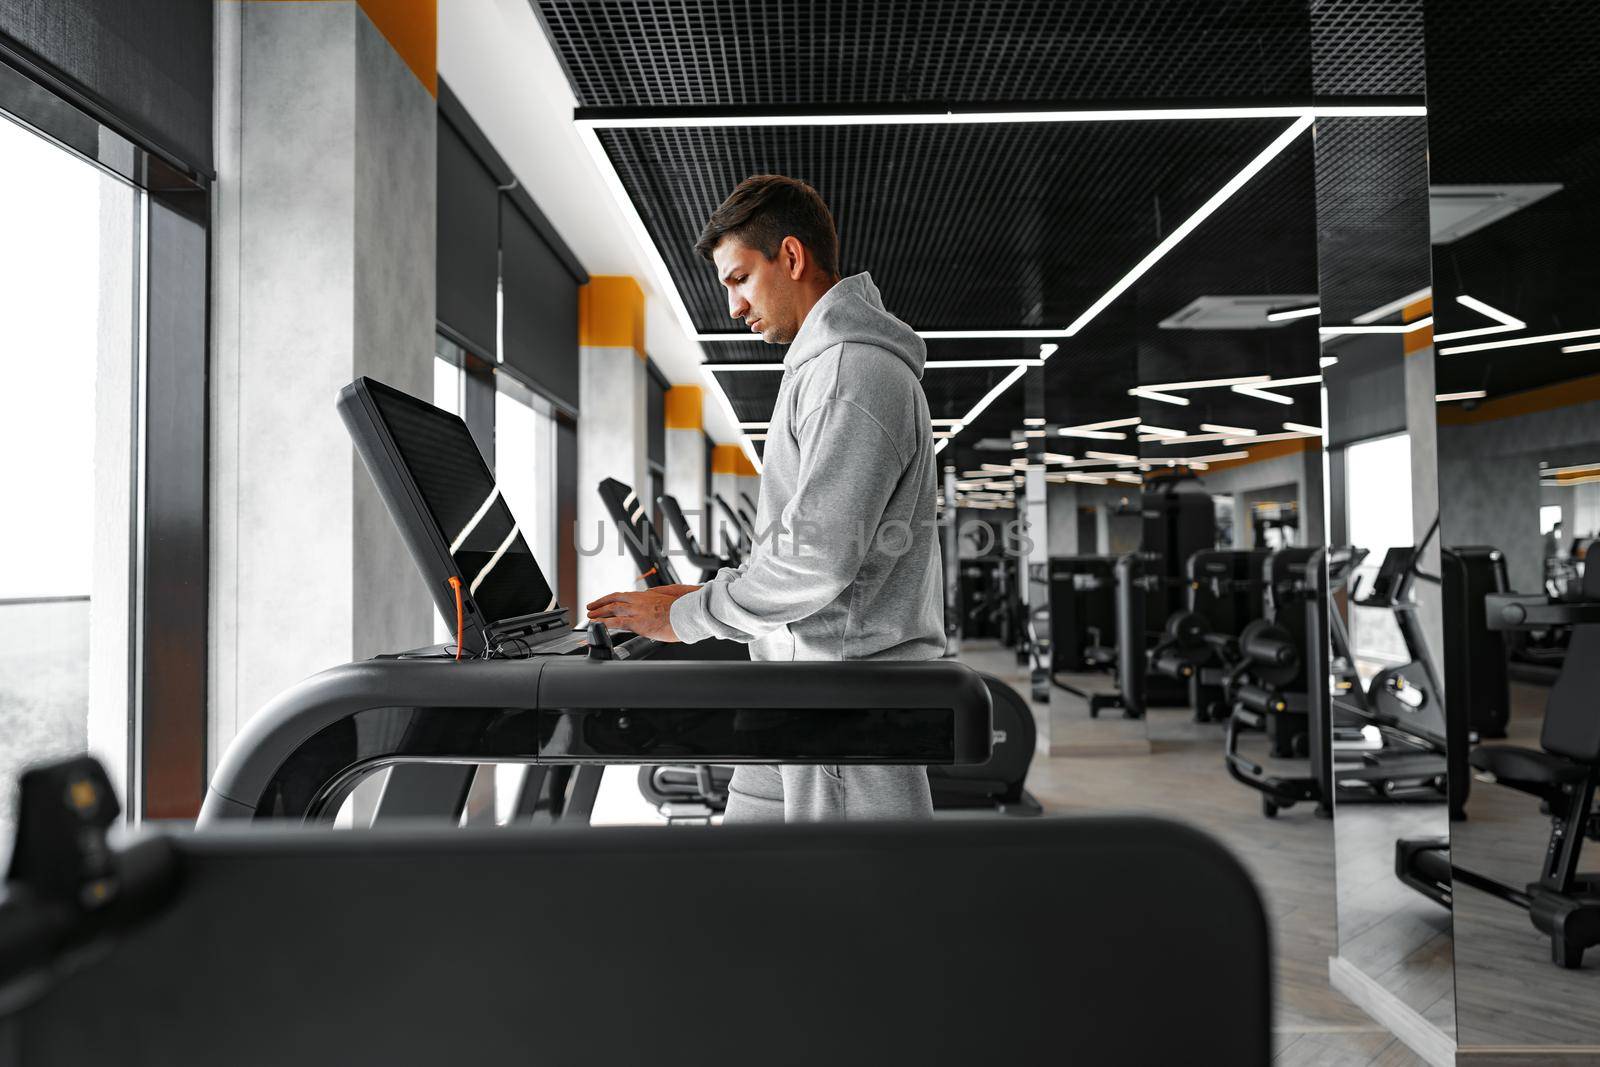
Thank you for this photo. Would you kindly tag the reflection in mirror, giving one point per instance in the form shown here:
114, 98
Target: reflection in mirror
1230, 423
1381, 713
1092, 483
1515, 155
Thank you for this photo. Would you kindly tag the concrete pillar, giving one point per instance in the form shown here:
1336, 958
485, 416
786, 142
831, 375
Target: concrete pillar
1313, 495
686, 470
613, 391
727, 463
324, 268
1422, 424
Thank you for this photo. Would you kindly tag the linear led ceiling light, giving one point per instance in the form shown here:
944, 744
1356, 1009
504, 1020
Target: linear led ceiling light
1591, 347
1190, 224
588, 125
1285, 314
1263, 438
1263, 394
1099, 431
1503, 323
1156, 394
1235, 431
1513, 342
1160, 431
926, 335
1470, 394
1187, 439
1162, 391
1386, 327
1393, 307
1300, 427
1581, 468
1033, 422
665, 118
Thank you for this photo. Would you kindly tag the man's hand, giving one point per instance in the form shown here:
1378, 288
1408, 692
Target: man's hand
648, 614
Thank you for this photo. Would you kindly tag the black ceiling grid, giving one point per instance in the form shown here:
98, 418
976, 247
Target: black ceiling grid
708, 53
1372, 213
1512, 101
1263, 241
980, 226
1367, 47
1011, 226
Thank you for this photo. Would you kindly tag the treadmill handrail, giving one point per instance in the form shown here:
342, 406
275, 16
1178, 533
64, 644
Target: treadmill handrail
538, 698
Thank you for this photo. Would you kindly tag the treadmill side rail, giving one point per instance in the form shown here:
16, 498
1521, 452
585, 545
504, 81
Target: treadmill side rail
302, 754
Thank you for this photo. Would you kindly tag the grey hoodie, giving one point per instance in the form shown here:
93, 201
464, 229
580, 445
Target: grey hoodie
847, 563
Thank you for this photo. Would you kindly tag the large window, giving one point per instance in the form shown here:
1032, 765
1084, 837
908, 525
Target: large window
69, 301
1378, 513
525, 466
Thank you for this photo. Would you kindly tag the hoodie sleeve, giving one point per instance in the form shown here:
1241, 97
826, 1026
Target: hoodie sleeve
849, 469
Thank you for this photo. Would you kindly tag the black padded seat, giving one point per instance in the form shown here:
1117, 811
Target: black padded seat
1511, 764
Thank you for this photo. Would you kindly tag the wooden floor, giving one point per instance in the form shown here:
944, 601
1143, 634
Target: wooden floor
1291, 857
1508, 991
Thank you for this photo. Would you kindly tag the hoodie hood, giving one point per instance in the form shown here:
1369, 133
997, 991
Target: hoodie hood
853, 311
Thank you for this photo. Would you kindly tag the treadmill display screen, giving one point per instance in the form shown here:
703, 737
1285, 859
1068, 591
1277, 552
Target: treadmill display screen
492, 558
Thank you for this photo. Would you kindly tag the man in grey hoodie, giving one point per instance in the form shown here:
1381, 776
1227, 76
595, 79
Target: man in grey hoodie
846, 564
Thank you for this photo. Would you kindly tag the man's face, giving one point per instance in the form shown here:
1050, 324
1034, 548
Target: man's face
763, 293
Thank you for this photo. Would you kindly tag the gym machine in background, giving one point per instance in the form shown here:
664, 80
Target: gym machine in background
1149, 585
1561, 774
1393, 738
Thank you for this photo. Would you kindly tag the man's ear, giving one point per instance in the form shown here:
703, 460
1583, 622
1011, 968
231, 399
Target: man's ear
794, 257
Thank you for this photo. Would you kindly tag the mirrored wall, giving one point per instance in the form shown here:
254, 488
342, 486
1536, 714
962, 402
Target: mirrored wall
1514, 148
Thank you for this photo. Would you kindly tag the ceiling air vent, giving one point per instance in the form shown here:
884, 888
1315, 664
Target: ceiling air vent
1236, 312
1454, 211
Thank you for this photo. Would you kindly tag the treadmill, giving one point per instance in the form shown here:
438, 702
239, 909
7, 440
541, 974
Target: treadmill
518, 686
709, 564
696, 793
407, 947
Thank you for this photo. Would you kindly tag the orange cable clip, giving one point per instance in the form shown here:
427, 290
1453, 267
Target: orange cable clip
647, 574
455, 583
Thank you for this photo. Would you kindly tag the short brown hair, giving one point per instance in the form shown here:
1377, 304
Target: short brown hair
764, 209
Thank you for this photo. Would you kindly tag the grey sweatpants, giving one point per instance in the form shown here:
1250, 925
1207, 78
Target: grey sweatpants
821, 793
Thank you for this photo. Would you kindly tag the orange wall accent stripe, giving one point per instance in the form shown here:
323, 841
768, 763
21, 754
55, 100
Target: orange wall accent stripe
611, 313
1544, 398
725, 459
685, 408
412, 29
746, 468
1417, 340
